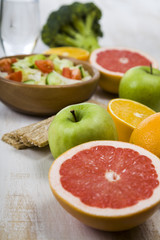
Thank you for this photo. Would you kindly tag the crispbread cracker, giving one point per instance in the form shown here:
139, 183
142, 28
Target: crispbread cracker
35, 134
8, 138
38, 135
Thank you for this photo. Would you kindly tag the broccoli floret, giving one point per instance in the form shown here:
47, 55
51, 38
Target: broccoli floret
74, 25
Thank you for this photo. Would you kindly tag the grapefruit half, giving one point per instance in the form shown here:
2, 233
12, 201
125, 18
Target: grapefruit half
114, 62
108, 185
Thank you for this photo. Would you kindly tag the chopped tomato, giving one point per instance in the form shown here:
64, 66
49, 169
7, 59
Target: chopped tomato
13, 60
66, 72
76, 74
45, 66
5, 65
15, 76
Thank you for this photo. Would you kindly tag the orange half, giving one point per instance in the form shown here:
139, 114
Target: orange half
78, 53
147, 134
127, 114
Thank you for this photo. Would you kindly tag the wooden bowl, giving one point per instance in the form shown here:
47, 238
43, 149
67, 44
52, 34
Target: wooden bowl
45, 100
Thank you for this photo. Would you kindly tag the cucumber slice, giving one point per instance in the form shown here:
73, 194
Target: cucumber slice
82, 71
52, 79
85, 75
30, 81
55, 78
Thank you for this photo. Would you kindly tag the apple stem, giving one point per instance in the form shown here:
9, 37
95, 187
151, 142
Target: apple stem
151, 69
74, 115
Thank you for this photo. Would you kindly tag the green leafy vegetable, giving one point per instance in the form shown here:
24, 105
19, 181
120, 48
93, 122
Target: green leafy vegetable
27, 62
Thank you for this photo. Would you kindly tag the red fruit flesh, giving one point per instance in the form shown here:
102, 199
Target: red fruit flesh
6, 65
121, 60
66, 72
45, 66
15, 76
109, 177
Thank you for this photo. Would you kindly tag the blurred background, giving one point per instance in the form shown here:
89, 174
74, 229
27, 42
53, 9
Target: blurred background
126, 23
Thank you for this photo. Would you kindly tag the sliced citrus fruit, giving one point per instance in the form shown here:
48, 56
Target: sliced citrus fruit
127, 114
114, 62
108, 185
147, 134
74, 52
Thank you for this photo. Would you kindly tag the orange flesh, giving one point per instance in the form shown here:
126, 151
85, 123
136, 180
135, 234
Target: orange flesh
109, 177
74, 52
131, 113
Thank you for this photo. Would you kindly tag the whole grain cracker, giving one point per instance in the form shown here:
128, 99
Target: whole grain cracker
35, 134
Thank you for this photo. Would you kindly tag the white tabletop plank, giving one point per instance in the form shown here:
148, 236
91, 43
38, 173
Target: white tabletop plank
28, 210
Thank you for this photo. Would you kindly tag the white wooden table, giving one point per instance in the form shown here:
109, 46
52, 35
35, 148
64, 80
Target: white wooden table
28, 210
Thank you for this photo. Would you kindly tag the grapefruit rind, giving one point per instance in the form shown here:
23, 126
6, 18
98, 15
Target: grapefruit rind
124, 128
110, 80
104, 219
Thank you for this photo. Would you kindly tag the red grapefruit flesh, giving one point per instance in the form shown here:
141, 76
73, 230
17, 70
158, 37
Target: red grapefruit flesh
108, 185
114, 62
121, 61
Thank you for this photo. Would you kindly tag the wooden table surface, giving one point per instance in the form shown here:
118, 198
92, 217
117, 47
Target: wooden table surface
28, 210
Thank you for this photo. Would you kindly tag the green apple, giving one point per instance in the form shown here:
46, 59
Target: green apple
142, 84
78, 124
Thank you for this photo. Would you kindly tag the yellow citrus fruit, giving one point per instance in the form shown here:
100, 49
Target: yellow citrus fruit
127, 114
147, 134
74, 52
112, 63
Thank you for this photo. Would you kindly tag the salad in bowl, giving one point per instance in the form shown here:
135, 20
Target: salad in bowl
42, 85
40, 69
